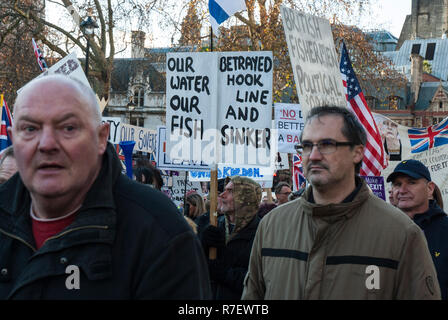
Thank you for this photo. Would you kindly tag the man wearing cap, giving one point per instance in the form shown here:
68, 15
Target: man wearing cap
411, 182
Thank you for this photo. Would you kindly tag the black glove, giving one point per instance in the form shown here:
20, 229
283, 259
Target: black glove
217, 270
213, 237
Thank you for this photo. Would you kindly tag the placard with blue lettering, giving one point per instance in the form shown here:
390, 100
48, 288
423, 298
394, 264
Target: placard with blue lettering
166, 163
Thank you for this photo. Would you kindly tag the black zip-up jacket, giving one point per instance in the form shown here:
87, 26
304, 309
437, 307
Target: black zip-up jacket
434, 223
127, 242
234, 261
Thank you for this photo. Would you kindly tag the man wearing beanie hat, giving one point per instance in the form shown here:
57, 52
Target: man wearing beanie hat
233, 237
411, 181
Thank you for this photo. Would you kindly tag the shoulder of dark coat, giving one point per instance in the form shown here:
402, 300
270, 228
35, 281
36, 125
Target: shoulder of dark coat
147, 207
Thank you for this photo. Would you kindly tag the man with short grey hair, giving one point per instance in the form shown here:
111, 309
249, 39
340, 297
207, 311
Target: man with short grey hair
72, 226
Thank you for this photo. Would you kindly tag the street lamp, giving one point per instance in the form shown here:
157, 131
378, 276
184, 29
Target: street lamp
88, 26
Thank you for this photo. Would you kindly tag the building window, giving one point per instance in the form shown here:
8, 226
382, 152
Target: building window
371, 102
137, 121
430, 49
139, 97
416, 48
394, 103
436, 120
440, 105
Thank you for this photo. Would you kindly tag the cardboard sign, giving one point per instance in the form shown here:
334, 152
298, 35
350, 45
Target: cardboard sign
262, 175
177, 190
166, 163
219, 107
289, 123
68, 66
224, 171
145, 139
115, 129
313, 59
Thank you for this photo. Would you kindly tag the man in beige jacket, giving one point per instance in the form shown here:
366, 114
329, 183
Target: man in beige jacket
338, 241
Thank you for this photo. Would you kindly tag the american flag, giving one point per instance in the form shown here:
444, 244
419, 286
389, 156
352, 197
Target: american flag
40, 58
423, 139
5, 140
299, 180
374, 156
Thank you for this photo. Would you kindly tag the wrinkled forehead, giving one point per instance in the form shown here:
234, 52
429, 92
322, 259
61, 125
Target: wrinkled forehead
51, 90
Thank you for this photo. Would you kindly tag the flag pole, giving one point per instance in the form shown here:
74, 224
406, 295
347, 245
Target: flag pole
213, 185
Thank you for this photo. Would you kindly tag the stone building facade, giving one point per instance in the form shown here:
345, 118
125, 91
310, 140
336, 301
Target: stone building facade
428, 19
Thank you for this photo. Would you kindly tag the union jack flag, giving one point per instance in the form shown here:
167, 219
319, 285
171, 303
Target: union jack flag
120, 155
299, 180
5, 139
39, 56
423, 139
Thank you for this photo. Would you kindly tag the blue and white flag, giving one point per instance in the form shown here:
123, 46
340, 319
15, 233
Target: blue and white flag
221, 10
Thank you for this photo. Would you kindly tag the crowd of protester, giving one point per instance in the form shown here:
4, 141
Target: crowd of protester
64, 201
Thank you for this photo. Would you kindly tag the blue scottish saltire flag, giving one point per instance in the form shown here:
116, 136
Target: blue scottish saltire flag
5, 139
221, 10
299, 180
423, 139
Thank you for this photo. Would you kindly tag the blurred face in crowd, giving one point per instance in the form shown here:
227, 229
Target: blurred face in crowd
7, 168
412, 194
227, 203
393, 196
282, 196
58, 139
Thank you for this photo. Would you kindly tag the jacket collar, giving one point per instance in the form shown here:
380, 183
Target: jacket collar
15, 202
335, 211
433, 212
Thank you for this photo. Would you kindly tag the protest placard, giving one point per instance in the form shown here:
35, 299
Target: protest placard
145, 139
218, 107
115, 129
178, 188
289, 123
166, 163
68, 66
428, 145
376, 184
313, 60
229, 170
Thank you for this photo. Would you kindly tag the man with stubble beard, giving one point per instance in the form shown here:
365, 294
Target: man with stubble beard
338, 241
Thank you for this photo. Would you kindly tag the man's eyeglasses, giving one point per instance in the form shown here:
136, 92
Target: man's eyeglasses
324, 146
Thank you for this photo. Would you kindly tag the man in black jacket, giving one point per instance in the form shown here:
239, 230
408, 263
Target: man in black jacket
411, 182
71, 225
233, 237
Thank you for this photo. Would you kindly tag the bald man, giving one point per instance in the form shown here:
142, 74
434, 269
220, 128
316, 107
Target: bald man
71, 225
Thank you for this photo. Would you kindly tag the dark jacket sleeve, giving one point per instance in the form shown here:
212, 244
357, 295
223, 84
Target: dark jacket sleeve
165, 278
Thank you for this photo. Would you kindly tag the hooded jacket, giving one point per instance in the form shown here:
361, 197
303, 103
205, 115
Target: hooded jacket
434, 223
361, 249
126, 242
233, 258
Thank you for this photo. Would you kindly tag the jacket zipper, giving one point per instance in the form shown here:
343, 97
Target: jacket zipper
19, 239
76, 229
53, 237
